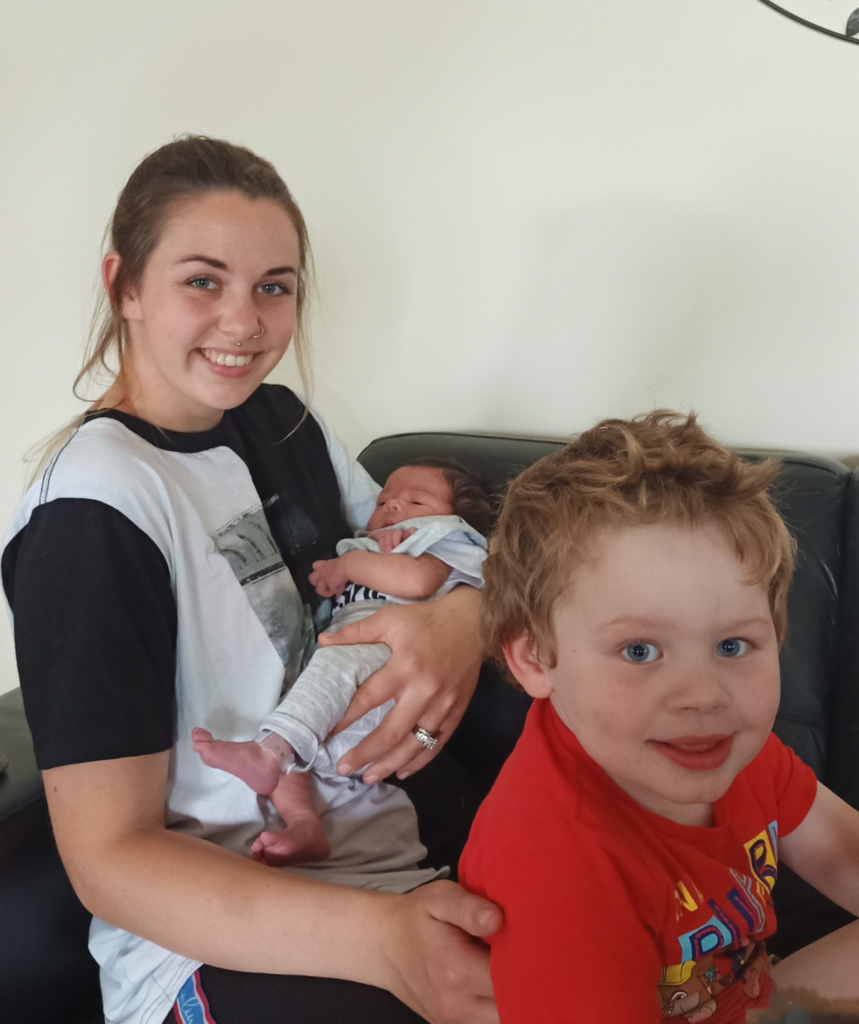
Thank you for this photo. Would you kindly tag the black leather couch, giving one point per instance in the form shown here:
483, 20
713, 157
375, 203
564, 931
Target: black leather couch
46, 974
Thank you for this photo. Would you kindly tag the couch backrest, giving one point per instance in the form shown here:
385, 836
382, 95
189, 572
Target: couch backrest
811, 495
843, 757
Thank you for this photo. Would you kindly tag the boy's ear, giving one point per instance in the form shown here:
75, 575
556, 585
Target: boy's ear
525, 666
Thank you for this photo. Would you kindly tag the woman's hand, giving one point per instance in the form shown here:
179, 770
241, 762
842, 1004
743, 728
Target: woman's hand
435, 659
436, 967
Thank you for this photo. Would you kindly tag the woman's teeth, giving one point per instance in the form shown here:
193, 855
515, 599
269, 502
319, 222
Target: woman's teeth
225, 359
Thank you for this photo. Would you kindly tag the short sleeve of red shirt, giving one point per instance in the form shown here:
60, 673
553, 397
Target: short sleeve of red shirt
794, 783
553, 893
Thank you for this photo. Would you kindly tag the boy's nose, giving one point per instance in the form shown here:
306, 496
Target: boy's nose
698, 689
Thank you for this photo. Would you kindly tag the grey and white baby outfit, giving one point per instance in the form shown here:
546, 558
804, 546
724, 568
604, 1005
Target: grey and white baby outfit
321, 694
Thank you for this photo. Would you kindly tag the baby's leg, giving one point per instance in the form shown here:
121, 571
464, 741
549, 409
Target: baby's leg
322, 693
303, 839
259, 765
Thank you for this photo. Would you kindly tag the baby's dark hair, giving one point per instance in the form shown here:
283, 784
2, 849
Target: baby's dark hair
470, 499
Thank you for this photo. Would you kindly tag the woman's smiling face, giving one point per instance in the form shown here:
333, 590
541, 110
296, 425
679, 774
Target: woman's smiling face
224, 267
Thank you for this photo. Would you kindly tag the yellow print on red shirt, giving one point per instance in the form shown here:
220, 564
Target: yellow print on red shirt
762, 852
685, 898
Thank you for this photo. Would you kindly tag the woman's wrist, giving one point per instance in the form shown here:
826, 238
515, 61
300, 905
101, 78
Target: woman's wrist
464, 602
428, 955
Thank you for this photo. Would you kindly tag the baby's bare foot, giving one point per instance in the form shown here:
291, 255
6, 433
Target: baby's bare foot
254, 765
301, 842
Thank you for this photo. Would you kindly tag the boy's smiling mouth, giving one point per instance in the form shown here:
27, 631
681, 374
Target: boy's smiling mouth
696, 753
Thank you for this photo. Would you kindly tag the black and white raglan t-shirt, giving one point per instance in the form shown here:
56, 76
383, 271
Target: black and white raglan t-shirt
158, 581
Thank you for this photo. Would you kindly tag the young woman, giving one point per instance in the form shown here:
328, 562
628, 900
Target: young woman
157, 572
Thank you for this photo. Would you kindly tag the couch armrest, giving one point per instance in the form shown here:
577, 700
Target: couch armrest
46, 972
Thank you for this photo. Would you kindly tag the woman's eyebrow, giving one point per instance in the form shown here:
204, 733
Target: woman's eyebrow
220, 265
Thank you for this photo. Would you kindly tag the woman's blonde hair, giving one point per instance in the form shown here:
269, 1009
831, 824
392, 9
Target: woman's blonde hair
187, 168
658, 467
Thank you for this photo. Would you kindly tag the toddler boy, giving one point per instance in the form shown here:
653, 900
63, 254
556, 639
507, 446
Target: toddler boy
417, 547
637, 589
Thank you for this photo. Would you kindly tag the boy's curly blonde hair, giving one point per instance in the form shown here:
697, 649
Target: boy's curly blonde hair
657, 467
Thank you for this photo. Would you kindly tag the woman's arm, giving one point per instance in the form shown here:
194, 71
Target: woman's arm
435, 660
201, 901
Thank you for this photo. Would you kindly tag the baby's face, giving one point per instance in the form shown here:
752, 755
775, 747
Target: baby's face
410, 492
667, 666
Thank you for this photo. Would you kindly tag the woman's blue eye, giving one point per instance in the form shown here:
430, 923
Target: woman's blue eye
641, 653
733, 647
202, 283
273, 288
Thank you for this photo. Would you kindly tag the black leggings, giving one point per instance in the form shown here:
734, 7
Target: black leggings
238, 998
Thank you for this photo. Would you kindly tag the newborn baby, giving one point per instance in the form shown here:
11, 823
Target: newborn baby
417, 547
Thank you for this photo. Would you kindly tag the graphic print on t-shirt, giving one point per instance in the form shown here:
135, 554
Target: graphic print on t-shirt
762, 852
689, 990
356, 592
247, 544
723, 950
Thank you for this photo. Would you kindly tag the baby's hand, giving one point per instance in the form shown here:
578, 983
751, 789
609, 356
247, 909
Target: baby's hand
390, 539
329, 577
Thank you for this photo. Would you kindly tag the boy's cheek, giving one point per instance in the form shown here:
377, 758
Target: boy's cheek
762, 695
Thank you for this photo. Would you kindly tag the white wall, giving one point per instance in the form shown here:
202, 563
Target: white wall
526, 214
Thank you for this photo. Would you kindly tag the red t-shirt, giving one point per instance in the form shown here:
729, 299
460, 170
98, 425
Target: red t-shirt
614, 914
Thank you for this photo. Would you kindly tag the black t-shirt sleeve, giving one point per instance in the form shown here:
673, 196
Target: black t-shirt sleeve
95, 633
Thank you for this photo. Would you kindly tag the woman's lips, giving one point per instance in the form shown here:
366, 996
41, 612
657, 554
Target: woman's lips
227, 371
696, 753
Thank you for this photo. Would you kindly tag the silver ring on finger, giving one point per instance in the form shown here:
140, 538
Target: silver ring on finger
424, 737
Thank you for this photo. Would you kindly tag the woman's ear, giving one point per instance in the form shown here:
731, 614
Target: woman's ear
109, 269
525, 666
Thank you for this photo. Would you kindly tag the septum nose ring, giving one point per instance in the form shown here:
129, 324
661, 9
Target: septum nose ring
261, 333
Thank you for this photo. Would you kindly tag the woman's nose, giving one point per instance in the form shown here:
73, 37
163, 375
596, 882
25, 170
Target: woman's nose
238, 317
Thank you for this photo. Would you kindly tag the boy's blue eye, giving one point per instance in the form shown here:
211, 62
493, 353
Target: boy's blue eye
641, 652
733, 647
